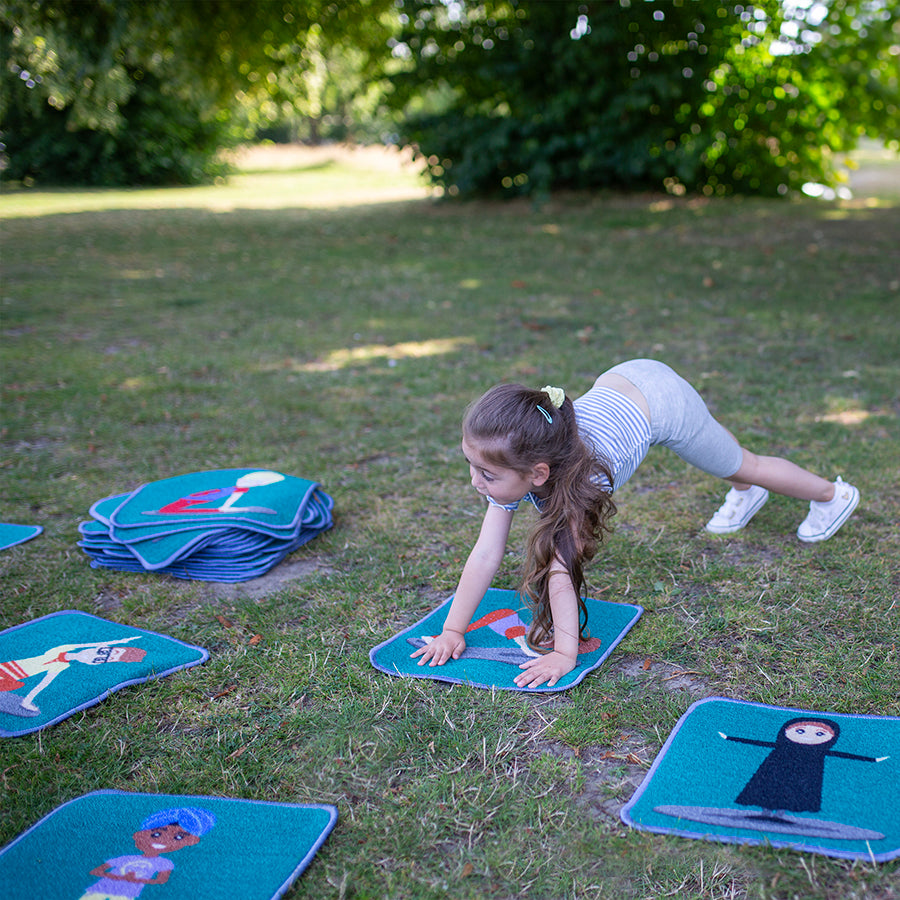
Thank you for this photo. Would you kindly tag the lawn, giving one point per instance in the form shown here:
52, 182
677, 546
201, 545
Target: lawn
321, 315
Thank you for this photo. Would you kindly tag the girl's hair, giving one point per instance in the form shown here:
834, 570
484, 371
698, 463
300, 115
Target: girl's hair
515, 427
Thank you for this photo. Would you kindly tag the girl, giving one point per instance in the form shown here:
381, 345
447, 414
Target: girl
566, 458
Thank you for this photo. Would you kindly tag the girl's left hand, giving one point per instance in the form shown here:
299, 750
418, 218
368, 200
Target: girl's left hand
550, 668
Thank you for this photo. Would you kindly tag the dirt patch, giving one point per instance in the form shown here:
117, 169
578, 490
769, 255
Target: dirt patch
282, 576
666, 677
741, 555
612, 774
611, 777
277, 579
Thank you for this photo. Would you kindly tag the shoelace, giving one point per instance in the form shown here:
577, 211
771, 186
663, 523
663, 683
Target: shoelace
729, 507
818, 514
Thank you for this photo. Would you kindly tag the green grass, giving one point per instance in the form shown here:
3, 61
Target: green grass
299, 318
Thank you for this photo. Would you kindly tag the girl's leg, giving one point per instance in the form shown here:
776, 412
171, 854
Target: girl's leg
830, 504
680, 420
782, 476
755, 477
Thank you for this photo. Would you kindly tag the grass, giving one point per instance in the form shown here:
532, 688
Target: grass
323, 317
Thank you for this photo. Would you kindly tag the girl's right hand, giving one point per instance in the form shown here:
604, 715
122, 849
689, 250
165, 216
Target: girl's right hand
447, 645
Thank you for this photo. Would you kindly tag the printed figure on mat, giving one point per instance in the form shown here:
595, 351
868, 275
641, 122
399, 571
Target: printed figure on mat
790, 777
221, 500
508, 625
165, 831
566, 458
15, 672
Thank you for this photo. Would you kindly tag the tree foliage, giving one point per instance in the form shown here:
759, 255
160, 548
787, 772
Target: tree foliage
529, 96
502, 96
129, 91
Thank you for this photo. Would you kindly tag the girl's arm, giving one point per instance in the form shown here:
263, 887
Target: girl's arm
478, 572
550, 667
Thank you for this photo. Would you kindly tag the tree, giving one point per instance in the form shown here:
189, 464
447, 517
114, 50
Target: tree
529, 96
126, 91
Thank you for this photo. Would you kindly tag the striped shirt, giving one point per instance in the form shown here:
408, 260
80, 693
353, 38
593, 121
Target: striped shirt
614, 427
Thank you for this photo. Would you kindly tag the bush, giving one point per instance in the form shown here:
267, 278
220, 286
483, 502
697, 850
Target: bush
162, 140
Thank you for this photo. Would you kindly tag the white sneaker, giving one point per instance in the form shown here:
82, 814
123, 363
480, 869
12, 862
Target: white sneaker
824, 519
737, 510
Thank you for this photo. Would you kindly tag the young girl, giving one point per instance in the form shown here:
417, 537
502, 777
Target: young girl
566, 458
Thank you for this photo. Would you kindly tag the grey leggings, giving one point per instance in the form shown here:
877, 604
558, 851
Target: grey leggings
680, 420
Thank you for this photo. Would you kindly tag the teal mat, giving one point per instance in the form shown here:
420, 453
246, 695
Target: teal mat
222, 525
181, 847
67, 661
494, 649
253, 496
751, 774
10, 535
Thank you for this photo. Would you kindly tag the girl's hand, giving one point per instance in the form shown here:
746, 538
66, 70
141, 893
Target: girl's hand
447, 645
550, 668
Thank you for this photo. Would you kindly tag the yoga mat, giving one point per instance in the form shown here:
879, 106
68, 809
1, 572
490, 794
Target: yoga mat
10, 535
207, 847
746, 773
207, 564
223, 525
56, 665
268, 498
494, 648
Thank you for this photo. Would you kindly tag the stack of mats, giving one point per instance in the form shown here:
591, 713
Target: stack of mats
227, 525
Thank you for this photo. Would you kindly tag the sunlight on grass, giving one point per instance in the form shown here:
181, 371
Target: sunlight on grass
846, 417
134, 384
349, 356
267, 178
136, 274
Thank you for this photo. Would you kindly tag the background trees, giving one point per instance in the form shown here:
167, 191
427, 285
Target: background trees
710, 96
499, 96
125, 91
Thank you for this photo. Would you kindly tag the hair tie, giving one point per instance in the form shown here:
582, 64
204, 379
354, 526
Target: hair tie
557, 395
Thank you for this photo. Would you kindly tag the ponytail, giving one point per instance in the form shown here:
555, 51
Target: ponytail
571, 526
516, 427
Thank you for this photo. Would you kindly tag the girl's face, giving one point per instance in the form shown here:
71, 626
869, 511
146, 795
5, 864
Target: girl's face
504, 485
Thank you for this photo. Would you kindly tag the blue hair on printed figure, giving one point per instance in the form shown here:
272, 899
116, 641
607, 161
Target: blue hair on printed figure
192, 819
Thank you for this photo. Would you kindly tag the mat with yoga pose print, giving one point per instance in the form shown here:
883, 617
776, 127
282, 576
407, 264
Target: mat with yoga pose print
164, 847
496, 645
227, 525
56, 665
752, 774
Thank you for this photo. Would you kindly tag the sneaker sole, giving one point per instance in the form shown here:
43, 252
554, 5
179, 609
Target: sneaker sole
836, 524
731, 529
